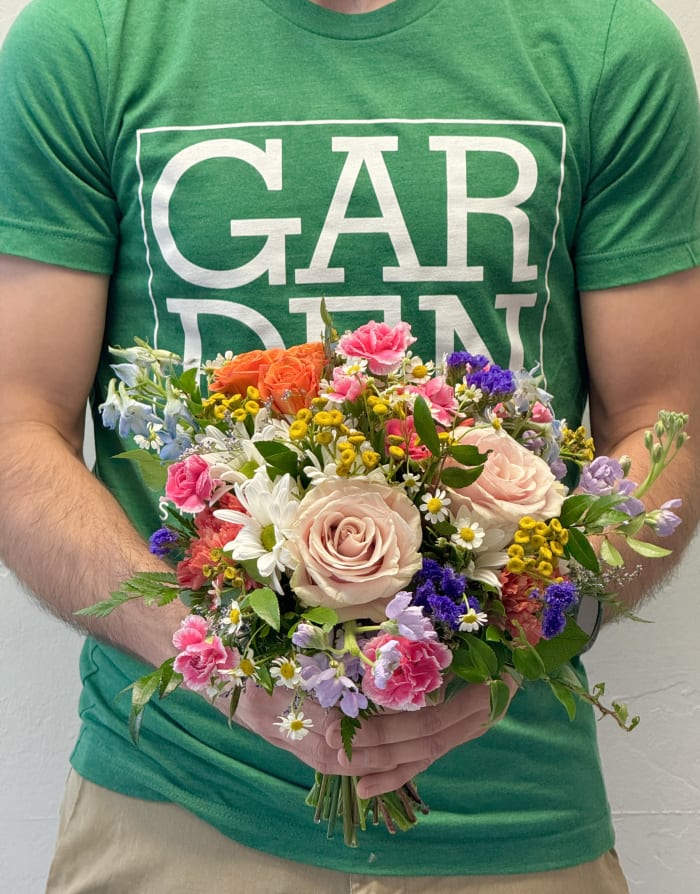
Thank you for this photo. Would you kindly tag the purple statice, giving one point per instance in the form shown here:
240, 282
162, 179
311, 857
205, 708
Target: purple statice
452, 584
494, 381
162, 541
559, 598
445, 611
409, 619
466, 362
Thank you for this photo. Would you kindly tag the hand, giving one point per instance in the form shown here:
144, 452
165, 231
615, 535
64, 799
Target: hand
391, 748
257, 711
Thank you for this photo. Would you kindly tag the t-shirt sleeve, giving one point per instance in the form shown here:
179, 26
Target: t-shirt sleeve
640, 217
57, 204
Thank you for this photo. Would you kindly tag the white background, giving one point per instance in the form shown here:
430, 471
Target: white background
653, 774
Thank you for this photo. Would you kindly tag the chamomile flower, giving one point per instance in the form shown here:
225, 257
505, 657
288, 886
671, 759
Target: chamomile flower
469, 535
411, 483
244, 670
285, 672
233, 619
472, 620
294, 724
434, 505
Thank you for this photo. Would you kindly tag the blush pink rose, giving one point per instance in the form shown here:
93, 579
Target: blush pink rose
417, 670
514, 482
201, 657
381, 345
189, 485
355, 544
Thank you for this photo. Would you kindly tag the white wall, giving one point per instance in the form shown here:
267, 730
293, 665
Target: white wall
653, 773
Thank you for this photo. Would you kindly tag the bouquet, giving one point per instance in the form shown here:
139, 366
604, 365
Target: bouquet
372, 531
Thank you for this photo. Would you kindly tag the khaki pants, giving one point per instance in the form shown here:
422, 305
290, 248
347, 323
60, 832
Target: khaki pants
111, 844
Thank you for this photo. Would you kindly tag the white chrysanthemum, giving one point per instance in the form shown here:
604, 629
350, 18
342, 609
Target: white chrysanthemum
233, 618
271, 508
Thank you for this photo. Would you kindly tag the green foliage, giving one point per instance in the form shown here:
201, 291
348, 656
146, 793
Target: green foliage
278, 457
348, 727
265, 604
154, 587
562, 648
425, 426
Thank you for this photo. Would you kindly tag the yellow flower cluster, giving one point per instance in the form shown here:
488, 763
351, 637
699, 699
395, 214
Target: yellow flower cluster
536, 547
578, 444
326, 426
218, 406
220, 564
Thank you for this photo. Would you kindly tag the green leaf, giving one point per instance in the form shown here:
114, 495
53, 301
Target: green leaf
610, 555
169, 679
565, 696
266, 606
348, 727
650, 550
527, 661
153, 471
463, 666
106, 606
278, 456
499, 695
425, 426
141, 692
581, 550
562, 648
611, 518
482, 654
468, 454
320, 615
573, 508
456, 478
601, 507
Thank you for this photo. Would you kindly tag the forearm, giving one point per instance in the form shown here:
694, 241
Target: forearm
643, 576
68, 540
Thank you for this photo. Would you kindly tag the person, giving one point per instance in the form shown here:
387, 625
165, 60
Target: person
508, 178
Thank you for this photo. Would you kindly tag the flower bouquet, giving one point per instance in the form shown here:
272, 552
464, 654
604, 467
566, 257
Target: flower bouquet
372, 531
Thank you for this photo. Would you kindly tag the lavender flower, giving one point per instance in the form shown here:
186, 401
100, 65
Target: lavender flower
664, 520
605, 476
409, 618
388, 659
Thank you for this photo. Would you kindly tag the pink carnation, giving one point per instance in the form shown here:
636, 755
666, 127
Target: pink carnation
406, 429
382, 346
189, 485
415, 670
201, 657
346, 387
440, 397
540, 413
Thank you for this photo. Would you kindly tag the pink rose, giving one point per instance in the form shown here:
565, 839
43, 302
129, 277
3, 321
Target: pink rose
189, 485
201, 657
355, 544
405, 671
382, 346
513, 483
540, 413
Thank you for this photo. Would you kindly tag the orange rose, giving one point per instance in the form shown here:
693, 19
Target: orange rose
290, 381
236, 375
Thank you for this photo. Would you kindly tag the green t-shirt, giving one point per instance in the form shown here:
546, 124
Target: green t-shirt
466, 166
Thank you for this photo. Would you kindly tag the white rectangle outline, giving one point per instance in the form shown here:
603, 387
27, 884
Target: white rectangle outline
354, 121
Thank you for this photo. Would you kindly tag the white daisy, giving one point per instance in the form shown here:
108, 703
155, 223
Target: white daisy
233, 619
285, 672
295, 725
434, 505
472, 620
470, 535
